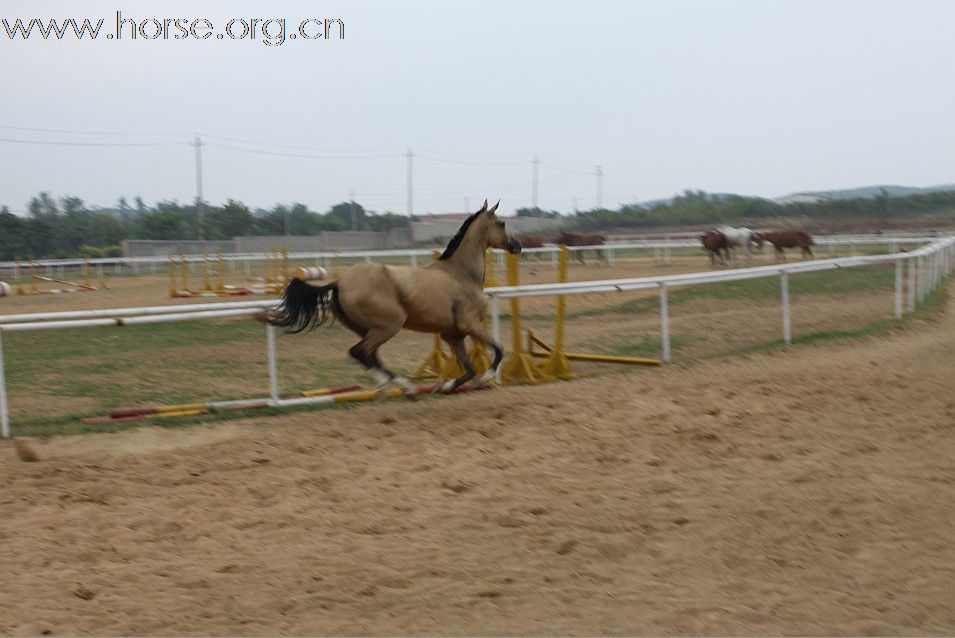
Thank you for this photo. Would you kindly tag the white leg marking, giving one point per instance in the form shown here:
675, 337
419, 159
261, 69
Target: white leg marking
405, 385
381, 379
484, 379
446, 386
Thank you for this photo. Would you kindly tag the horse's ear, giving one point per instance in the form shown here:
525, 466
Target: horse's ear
483, 208
493, 208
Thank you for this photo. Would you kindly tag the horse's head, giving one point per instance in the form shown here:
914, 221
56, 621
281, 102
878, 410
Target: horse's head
495, 234
758, 239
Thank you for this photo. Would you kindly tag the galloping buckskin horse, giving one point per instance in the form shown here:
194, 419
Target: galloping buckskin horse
577, 239
375, 301
781, 239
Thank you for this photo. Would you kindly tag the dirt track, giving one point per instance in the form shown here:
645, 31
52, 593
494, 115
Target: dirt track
806, 491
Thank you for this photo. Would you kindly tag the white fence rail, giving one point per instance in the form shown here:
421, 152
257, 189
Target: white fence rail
927, 266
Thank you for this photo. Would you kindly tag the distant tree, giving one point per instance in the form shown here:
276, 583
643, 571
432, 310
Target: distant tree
537, 212
232, 220
125, 212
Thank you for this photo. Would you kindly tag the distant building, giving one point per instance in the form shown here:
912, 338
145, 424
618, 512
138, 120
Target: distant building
799, 198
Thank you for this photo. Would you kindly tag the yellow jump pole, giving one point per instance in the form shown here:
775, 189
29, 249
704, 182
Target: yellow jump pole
557, 364
220, 283
532, 341
286, 271
18, 275
519, 367
206, 275
184, 271
435, 363
490, 281
33, 287
172, 276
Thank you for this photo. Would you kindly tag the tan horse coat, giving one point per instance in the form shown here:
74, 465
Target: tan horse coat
376, 300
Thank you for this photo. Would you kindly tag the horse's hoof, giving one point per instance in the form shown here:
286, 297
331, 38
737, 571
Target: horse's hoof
447, 387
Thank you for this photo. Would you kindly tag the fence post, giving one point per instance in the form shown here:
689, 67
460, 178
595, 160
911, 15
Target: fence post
273, 368
4, 411
898, 288
784, 293
664, 323
921, 279
911, 287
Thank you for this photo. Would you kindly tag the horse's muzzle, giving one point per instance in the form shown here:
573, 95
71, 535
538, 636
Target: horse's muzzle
513, 246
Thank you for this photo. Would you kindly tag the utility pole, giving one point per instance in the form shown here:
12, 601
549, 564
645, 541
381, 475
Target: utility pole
534, 186
200, 230
410, 157
600, 186
354, 220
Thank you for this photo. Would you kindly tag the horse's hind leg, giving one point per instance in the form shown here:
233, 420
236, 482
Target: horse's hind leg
456, 343
366, 353
479, 334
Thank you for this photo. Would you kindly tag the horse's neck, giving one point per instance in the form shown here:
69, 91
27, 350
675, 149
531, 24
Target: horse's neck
468, 259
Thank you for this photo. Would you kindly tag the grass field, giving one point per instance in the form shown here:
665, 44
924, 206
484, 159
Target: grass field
56, 378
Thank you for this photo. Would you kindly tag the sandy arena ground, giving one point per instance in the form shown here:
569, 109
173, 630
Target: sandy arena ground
800, 491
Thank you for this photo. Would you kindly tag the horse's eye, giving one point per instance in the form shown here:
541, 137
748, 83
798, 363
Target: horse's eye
500, 224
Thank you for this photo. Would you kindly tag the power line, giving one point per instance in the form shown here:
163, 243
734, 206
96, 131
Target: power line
66, 143
336, 152
74, 132
254, 151
301, 148
470, 163
566, 170
505, 158
560, 161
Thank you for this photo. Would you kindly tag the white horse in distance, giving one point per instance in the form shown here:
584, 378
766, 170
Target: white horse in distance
740, 238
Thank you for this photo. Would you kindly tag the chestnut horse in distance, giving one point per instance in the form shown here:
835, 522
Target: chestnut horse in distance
578, 239
714, 241
781, 239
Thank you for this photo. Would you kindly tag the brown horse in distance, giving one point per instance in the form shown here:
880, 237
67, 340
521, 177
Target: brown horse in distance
781, 239
376, 301
578, 239
714, 241
533, 241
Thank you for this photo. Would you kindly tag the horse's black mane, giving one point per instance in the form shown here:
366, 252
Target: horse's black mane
456, 241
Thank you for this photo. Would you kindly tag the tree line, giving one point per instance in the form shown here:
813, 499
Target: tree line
67, 227
698, 208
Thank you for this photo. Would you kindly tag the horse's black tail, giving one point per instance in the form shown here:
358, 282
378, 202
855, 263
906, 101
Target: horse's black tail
303, 306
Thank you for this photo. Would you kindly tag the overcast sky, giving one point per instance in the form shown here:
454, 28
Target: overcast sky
759, 97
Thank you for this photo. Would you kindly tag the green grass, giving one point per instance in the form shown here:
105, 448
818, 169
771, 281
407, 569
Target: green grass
200, 361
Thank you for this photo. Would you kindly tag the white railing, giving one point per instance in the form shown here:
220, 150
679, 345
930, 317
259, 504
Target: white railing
926, 268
